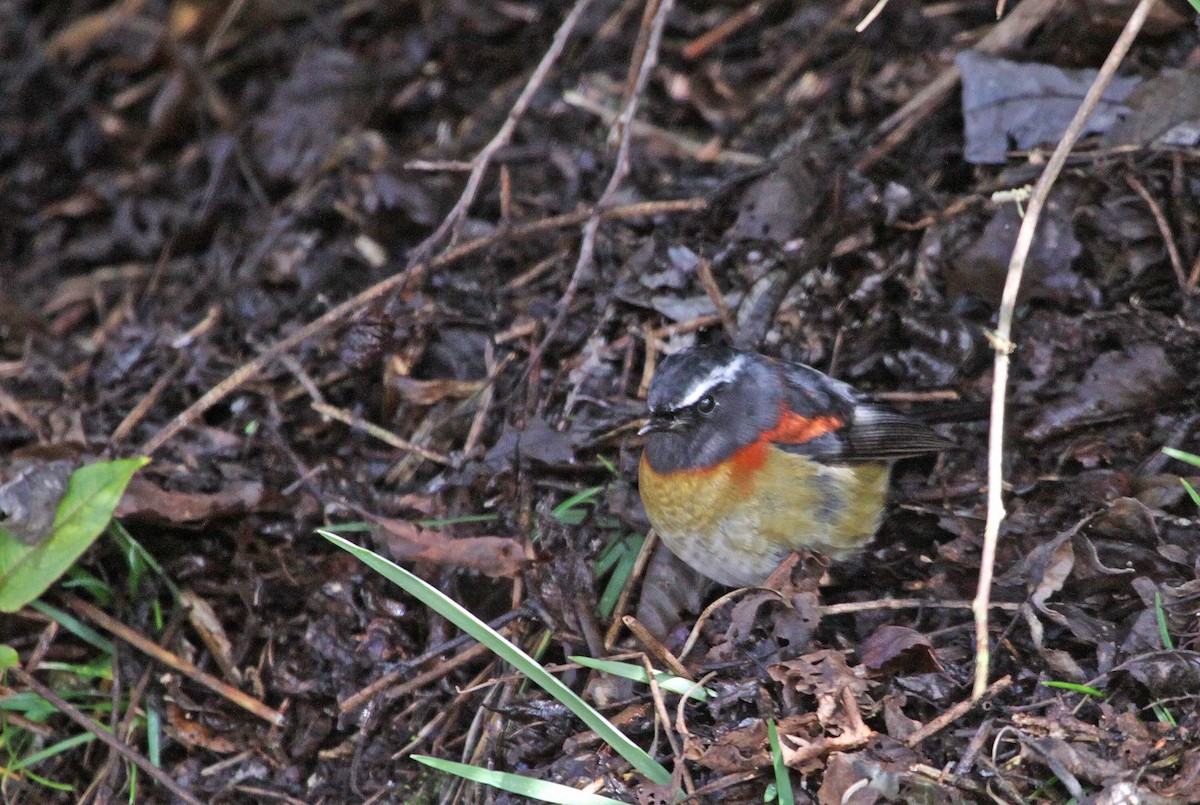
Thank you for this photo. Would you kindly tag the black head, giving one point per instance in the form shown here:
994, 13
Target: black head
708, 402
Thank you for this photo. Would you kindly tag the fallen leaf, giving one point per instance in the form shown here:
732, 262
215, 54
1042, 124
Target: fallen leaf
192, 731
144, 500
1136, 379
893, 649
1009, 104
492, 556
1166, 674
537, 442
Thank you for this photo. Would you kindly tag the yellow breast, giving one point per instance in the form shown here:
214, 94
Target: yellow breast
737, 521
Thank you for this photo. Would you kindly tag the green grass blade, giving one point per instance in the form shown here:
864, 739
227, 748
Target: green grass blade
48, 783
1191, 489
569, 512
517, 784
626, 670
1075, 688
783, 783
135, 551
52, 750
624, 561
1181, 455
154, 735
449, 609
1160, 615
1164, 715
442, 522
79, 579
73, 625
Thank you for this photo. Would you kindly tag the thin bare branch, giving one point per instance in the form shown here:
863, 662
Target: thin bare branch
623, 134
483, 159
1003, 344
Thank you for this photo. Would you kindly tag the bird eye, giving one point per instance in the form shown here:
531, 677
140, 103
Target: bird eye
706, 404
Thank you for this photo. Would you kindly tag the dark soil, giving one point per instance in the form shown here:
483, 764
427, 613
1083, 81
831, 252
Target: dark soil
184, 185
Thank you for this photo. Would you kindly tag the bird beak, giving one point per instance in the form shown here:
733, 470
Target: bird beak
659, 422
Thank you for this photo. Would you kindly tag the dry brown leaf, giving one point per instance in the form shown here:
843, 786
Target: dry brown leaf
145, 500
892, 649
492, 556
191, 731
747, 749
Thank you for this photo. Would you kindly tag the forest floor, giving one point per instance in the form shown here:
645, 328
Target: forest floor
191, 189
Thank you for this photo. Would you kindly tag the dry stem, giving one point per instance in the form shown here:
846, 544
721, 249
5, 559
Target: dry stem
1003, 346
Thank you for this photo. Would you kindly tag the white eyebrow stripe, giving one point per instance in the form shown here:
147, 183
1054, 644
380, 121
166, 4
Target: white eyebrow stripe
719, 375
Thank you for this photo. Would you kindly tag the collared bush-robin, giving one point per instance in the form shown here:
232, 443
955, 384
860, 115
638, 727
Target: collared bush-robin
749, 458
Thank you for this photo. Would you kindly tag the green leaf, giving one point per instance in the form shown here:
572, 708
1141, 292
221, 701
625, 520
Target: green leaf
517, 784
28, 704
627, 670
452, 611
8, 657
92, 495
783, 783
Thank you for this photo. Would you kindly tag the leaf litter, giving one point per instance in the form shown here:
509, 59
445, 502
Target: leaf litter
186, 186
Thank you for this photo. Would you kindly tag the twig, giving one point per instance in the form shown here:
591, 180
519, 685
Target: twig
382, 434
715, 36
247, 371
139, 411
813, 45
660, 709
128, 752
622, 132
1002, 344
483, 159
956, 712
243, 700
875, 11
689, 147
654, 647
358, 699
907, 603
437, 672
709, 283
639, 568
1164, 229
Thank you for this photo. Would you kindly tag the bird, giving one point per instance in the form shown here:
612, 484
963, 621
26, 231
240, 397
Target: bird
748, 458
